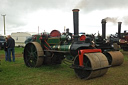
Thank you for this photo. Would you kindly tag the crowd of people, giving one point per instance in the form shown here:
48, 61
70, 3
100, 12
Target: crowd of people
9, 48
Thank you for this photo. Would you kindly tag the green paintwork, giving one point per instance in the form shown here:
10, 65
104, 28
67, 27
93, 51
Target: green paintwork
38, 39
63, 37
54, 40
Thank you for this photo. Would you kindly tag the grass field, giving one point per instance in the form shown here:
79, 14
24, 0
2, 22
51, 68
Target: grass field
16, 73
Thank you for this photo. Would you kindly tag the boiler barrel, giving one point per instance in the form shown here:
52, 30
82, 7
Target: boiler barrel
62, 47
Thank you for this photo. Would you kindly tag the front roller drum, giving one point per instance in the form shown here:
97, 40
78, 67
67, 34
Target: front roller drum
33, 54
115, 58
95, 65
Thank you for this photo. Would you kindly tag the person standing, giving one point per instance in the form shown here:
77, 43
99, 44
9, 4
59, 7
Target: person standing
5, 49
11, 48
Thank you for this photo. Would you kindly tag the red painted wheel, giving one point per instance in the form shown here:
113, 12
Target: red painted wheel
55, 33
82, 38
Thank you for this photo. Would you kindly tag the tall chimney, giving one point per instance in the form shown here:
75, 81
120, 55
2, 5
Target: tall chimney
119, 28
103, 28
76, 23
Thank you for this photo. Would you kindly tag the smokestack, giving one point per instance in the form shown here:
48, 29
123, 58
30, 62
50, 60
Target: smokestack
119, 28
103, 28
76, 23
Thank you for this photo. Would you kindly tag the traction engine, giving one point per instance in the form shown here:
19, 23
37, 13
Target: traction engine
88, 62
110, 48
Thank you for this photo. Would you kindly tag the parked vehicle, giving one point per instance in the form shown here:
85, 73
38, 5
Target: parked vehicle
20, 38
2, 41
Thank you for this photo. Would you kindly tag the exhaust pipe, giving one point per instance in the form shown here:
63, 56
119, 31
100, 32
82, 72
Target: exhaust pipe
119, 28
103, 28
76, 23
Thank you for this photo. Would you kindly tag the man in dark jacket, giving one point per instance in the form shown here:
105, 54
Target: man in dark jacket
10, 47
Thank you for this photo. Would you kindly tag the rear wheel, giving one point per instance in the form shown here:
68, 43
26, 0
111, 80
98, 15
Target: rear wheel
33, 54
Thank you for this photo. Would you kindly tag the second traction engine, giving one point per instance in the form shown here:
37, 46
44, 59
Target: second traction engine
109, 48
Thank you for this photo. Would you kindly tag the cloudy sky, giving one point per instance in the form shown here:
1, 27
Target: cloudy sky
27, 15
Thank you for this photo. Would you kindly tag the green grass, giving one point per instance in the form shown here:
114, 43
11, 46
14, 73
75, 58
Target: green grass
16, 73
1, 52
18, 50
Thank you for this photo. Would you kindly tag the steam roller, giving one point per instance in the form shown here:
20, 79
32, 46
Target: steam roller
51, 48
110, 49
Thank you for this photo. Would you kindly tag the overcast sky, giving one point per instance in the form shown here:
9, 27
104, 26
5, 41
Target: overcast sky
27, 15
